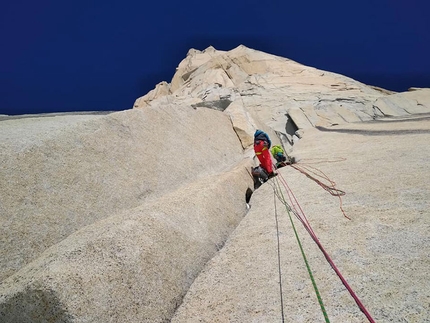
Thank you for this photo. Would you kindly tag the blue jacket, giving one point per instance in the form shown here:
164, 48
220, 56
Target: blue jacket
261, 135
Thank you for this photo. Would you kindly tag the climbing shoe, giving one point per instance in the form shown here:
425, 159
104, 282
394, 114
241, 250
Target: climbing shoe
272, 174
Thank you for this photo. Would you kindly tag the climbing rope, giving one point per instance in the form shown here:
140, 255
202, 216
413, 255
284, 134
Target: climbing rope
279, 261
313, 174
278, 192
300, 215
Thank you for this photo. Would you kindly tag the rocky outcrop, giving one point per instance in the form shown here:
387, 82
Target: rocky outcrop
406, 103
277, 91
111, 218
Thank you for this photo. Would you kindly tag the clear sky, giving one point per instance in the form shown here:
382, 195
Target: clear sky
96, 55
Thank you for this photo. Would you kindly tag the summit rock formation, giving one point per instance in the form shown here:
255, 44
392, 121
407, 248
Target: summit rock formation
252, 86
144, 215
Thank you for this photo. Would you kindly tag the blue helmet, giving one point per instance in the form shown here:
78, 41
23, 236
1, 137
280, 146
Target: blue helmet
257, 132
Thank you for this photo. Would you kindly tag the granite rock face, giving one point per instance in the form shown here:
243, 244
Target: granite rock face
382, 251
122, 217
58, 180
93, 206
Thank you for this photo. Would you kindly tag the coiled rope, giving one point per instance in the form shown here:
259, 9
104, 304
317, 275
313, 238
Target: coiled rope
313, 174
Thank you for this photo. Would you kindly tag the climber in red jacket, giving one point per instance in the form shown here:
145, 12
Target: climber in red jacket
262, 145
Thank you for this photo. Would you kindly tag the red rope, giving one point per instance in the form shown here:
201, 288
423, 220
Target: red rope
302, 218
291, 196
331, 188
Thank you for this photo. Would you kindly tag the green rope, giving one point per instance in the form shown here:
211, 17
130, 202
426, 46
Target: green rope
281, 196
279, 259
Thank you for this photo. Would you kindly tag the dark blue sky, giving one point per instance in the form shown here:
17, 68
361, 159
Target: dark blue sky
88, 55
